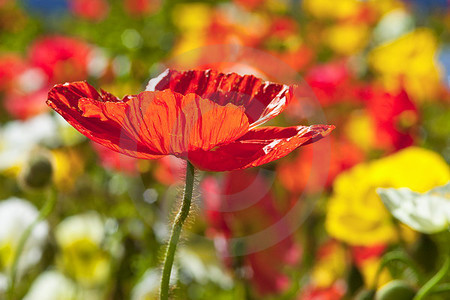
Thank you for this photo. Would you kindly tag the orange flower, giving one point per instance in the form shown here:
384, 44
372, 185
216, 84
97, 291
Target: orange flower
207, 117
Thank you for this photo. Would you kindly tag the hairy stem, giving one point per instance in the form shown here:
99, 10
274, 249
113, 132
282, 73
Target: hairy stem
176, 231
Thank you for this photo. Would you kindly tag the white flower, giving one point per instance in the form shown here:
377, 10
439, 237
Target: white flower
52, 285
81, 240
18, 138
202, 269
3, 283
148, 286
393, 25
16, 215
427, 213
32, 80
85, 226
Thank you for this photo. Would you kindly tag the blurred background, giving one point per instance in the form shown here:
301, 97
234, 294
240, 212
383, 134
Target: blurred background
97, 221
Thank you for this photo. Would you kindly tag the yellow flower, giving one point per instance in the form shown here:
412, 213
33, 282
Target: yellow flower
356, 214
68, 166
331, 266
409, 60
361, 130
80, 240
382, 7
192, 16
192, 21
7, 252
331, 9
85, 261
369, 270
346, 38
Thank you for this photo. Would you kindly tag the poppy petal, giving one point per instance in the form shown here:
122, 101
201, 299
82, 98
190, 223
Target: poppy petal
257, 147
262, 100
170, 123
65, 99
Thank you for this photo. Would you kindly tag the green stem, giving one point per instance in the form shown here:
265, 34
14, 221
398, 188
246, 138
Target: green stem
427, 287
176, 231
43, 214
441, 288
396, 256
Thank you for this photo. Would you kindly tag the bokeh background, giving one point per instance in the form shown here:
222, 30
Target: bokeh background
379, 70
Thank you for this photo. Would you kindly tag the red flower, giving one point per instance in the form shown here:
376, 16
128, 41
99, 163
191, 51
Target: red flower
362, 253
249, 4
94, 10
394, 116
25, 89
23, 105
236, 27
169, 170
116, 161
297, 59
141, 7
61, 58
231, 213
332, 83
334, 292
10, 66
297, 174
207, 117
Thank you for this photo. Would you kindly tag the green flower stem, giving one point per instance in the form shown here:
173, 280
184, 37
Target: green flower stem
43, 214
441, 288
176, 231
427, 287
396, 256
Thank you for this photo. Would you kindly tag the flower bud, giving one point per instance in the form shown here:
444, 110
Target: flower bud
395, 290
38, 172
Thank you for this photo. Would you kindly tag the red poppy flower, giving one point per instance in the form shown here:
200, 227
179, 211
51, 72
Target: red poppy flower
227, 219
61, 57
95, 10
141, 7
249, 4
10, 66
333, 83
295, 175
169, 170
394, 116
115, 161
334, 292
207, 117
360, 254
23, 105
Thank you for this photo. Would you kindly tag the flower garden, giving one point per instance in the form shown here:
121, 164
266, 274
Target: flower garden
244, 149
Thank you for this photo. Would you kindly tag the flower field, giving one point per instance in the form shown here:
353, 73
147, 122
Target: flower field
230, 149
